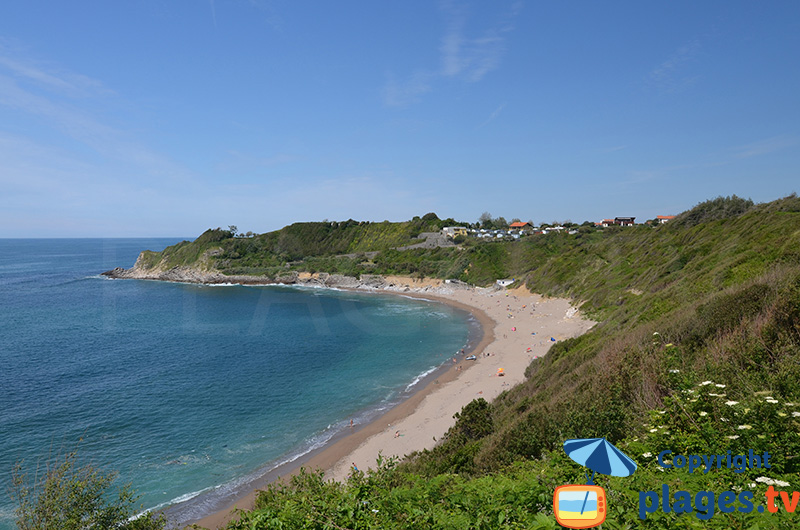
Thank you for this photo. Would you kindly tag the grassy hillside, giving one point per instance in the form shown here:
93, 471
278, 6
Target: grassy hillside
698, 352
270, 253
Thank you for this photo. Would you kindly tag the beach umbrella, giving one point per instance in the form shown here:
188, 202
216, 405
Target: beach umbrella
599, 455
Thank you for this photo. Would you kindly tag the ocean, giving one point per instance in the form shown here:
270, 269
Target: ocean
188, 391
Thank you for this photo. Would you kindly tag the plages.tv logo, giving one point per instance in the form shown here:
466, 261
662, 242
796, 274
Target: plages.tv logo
586, 506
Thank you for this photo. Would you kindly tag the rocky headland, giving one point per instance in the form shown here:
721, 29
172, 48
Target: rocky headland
370, 282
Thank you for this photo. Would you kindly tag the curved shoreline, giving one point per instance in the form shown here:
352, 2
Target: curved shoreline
427, 414
341, 443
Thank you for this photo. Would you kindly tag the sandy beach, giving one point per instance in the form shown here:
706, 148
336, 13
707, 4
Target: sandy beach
517, 327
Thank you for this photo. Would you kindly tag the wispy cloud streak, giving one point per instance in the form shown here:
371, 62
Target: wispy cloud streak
66, 83
65, 102
213, 12
398, 93
494, 115
766, 146
463, 54
472, 57
668, 76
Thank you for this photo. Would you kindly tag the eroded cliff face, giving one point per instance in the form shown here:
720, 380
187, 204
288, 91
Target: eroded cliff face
320, 279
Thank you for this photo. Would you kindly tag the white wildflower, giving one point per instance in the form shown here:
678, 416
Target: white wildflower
732, 437
653, 430
744, 427
731, 403
773, 401
719, 385
647, 454
674, 371
706, 383
772, 482
789, 404
795, 414
703, 413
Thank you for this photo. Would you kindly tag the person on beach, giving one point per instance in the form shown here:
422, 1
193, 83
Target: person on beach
355, 468
397, 434
351, 423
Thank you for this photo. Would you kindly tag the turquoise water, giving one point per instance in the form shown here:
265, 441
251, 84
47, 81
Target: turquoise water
191, 391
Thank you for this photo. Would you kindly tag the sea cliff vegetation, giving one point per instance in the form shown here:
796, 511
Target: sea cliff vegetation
698, 352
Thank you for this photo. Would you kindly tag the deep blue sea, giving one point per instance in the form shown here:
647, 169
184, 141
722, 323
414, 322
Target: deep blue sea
190, 391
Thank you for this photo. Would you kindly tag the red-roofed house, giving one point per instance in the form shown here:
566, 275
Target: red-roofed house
519, 225
664, 218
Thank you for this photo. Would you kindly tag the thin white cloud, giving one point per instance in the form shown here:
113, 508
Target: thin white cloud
65, 83
270, 13
669, 76
766, 146
79, 125
67, 103
401, 93
494, 115
462, 55
472, 57
453, 40
213, 12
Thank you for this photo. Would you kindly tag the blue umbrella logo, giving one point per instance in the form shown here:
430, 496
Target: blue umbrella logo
599, 455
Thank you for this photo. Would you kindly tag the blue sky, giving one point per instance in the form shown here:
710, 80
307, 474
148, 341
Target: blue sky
164, 118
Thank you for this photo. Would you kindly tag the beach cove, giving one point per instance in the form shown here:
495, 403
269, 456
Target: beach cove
517, 326
191, 391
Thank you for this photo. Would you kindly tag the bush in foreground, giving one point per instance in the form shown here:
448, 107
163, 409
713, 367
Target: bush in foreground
74, 497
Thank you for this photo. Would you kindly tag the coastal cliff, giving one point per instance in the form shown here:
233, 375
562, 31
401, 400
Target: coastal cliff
370, 282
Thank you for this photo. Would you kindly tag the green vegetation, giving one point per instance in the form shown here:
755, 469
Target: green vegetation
698, 352
300, 246
73, 497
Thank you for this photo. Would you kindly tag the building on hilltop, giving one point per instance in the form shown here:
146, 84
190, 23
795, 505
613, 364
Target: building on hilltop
624, 221
521, 226
664, 218
453, 231
617, 221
